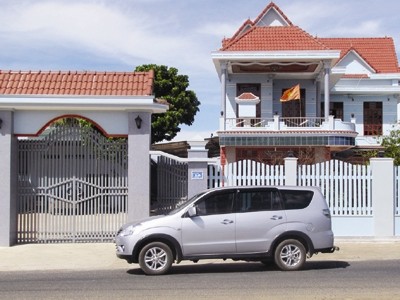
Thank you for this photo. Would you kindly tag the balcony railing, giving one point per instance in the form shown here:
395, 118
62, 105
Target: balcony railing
277, 123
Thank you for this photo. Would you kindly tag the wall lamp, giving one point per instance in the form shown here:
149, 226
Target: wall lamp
138, 121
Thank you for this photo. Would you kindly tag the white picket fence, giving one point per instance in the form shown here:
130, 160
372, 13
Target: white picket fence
245, 172
346, 187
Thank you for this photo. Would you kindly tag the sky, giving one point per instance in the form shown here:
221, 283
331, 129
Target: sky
118, 35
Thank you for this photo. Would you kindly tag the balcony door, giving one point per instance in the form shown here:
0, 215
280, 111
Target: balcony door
372, 118
294, 108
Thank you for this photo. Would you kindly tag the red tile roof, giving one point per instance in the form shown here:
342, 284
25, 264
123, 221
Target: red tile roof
379, 53
76, 83
275, 38
247, 96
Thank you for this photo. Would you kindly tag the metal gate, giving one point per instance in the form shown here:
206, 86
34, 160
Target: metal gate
170, 181
72, 186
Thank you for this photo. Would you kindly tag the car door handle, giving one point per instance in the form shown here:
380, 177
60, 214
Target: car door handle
275, 217
226, 222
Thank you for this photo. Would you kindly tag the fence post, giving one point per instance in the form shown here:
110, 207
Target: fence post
8, 183
197, 166
290, 170
383, 196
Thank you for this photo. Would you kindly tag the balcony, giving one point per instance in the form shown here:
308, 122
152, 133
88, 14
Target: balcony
287, 132
288, 124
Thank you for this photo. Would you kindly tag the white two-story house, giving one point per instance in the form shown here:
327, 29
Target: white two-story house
349, 91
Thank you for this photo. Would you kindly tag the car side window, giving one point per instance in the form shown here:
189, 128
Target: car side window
295, 199
220, 203
258, 200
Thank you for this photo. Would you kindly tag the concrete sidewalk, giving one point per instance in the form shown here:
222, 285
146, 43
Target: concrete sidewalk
92, 256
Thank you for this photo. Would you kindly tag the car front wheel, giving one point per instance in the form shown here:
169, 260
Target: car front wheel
290, 255
155, 258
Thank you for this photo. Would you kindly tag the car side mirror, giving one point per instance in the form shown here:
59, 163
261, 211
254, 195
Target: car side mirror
192, 211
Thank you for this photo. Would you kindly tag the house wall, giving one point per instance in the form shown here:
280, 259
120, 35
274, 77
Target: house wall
354, 104
266, 93
311, 94
271, 91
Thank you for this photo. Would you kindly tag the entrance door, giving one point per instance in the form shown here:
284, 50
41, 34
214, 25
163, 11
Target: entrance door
72, 185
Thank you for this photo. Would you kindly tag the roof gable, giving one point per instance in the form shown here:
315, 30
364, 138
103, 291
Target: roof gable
76, 83
355, 64
272, 16
379, 53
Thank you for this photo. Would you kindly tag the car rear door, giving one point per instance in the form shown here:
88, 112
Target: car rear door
212, 230
259, 219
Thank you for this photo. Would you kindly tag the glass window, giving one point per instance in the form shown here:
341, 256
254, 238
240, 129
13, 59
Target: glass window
258, 200
295, 199
219, 203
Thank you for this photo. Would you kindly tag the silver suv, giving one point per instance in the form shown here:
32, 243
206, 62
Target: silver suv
281, 223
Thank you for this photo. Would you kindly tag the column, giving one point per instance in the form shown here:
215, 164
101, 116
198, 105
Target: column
327, 71
291, 171
8, 182
223, 95
197, 166
139, 138
383, 196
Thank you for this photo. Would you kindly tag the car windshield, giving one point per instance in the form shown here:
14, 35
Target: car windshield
184, 204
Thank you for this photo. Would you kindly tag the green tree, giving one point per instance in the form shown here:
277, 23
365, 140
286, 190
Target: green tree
391, 143
183, 103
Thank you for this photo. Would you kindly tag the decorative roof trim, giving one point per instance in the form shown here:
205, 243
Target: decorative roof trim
270, 6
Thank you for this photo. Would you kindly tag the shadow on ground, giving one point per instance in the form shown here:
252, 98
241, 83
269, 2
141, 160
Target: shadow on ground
243, 267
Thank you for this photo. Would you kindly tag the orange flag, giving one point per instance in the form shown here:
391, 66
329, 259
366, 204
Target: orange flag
291, 94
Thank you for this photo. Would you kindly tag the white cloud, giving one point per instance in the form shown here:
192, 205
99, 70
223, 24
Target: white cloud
218, 29
100, 28
102, 34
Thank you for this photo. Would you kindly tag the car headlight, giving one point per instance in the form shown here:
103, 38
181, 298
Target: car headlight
128, 230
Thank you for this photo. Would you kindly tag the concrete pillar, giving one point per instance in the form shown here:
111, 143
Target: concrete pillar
327, 72
277, 123
318, 97
8, 182
223, 95
197, 166
291, 170
383, 196
139, 140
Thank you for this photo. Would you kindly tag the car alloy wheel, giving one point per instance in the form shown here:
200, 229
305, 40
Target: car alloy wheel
290, 255
155, 258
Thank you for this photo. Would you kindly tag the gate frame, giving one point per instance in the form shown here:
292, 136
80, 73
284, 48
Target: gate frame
28, 115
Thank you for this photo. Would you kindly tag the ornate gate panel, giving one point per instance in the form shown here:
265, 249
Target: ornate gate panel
72, 186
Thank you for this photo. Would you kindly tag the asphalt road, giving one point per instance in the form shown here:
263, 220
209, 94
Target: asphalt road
319, 280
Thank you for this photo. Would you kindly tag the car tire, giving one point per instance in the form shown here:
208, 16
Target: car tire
290, 255
155, 258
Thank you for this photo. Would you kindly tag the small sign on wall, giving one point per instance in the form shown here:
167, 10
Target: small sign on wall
197, 175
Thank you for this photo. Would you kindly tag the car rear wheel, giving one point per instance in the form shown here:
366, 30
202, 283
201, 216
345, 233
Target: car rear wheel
290, 255
155, 258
